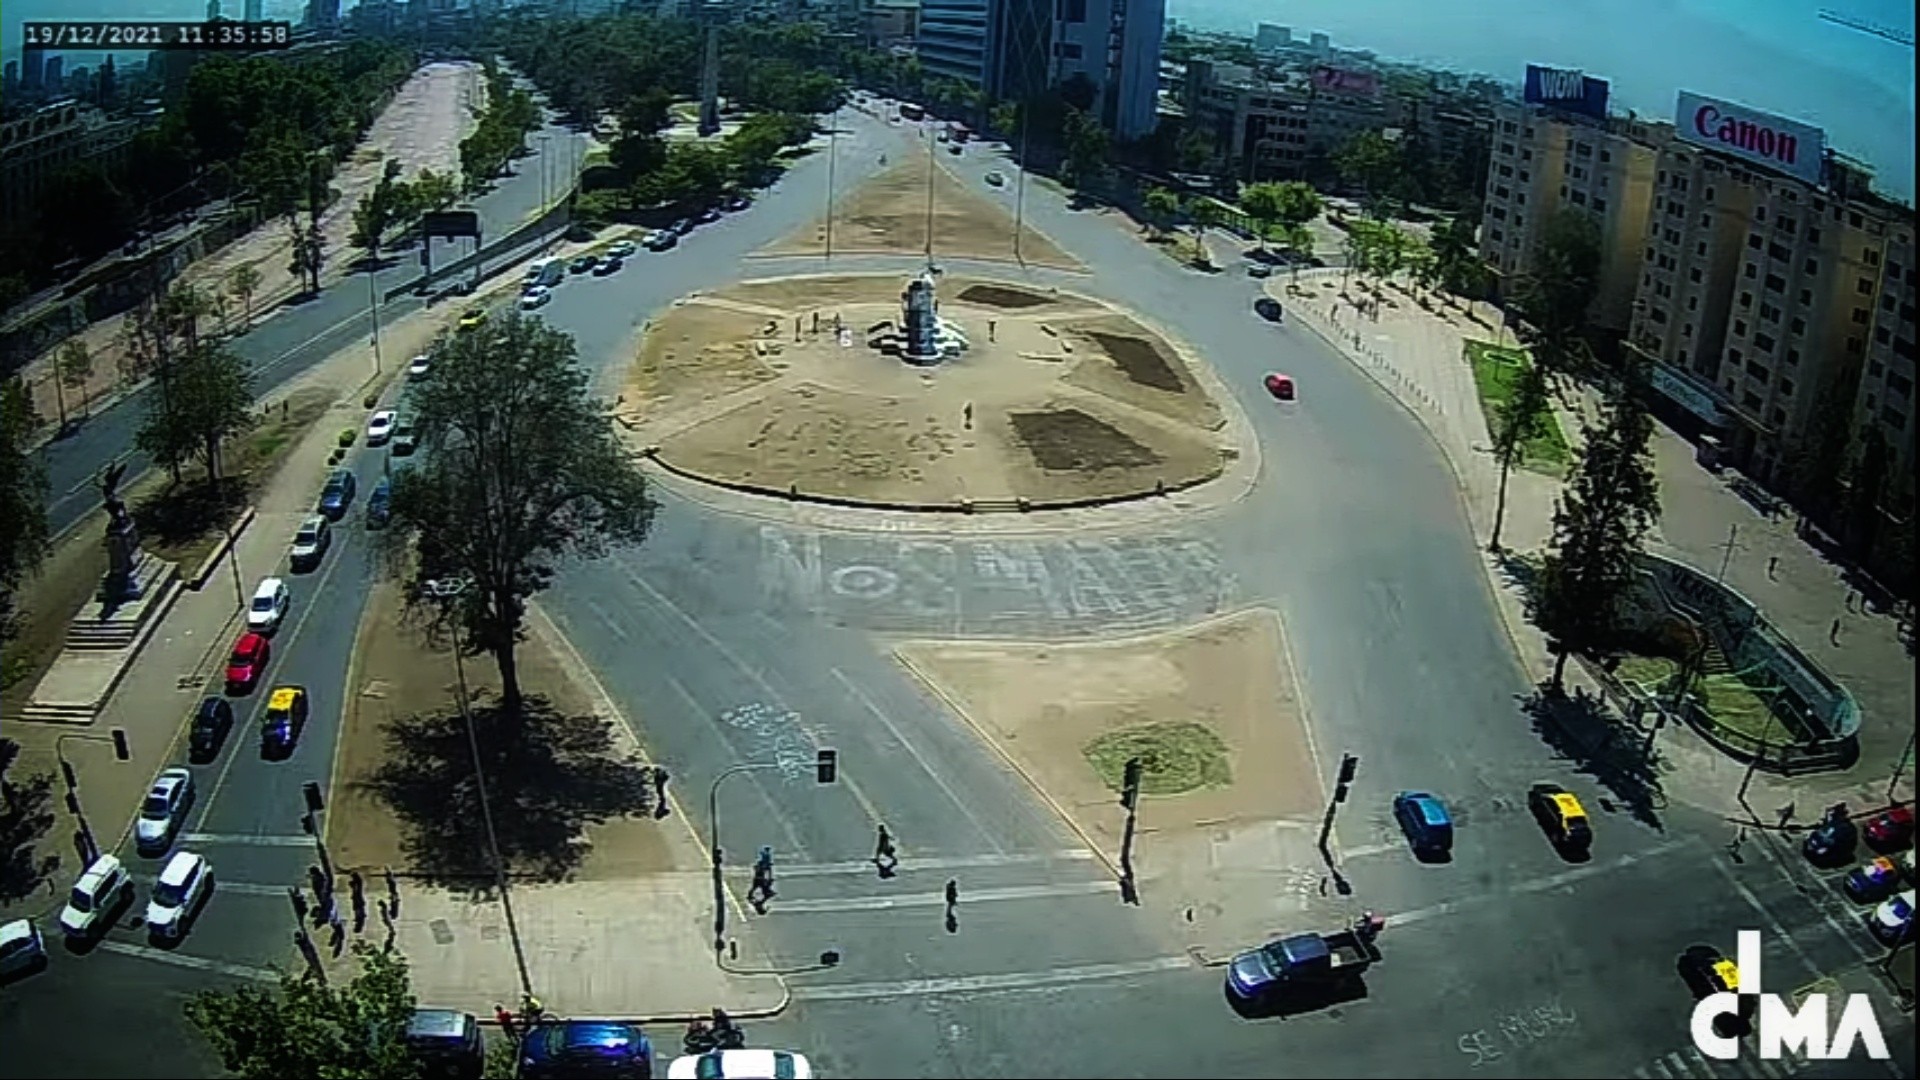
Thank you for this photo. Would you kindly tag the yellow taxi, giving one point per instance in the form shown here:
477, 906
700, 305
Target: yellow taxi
1561, 815
472, 317
286, 718
1706, 970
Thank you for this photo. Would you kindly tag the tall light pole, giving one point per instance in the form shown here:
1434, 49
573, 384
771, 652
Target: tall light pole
833, 145
118, 738
1020, 185
373, 309
448, 591
825, 766
927, 136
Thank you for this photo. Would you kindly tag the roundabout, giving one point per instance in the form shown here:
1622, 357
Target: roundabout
965, 394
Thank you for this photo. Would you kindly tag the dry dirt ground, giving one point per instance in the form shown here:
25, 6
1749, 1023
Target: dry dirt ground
1058, 399
887, 215
399, 675
1220, 865
421, 128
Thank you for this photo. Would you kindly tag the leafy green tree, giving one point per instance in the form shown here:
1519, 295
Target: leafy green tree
1262, 203
74, 367
1599, 527
1296, 241
1552, 299
522, 467
209, 398
1088, 147
1517, 421
1004, 119
1371, 162
309, 1028
377, 210
243, 282
1205, 214
23, 498
1162, 207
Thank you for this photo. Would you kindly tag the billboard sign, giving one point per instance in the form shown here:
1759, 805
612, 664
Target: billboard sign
1333, 80
1769, 141
1568, 91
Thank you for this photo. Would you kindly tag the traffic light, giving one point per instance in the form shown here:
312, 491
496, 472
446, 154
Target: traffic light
311, 791
825, 763
1130, 783
120, 749
1349, 764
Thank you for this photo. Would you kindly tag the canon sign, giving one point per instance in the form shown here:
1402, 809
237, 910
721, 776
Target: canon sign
1770, 141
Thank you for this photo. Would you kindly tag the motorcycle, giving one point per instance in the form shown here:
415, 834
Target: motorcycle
704, 1038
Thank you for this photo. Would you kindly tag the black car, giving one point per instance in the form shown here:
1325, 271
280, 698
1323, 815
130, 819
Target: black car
608, 265
211, 722
583, 264
707, 216
1833, 840
448, 1043
1267, 308
682, 227
380, 504
736, 203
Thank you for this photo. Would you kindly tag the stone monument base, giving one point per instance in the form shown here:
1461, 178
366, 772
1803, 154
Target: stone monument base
102, 642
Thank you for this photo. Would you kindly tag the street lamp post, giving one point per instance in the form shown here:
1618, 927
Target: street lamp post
1020, 185
833, 146
373, 310
927, 134
826, 765
448, 590
117, 737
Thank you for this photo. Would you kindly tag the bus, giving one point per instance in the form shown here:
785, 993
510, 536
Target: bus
910, 111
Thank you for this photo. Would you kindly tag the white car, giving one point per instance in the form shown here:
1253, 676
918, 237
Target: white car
164, 811
746, 1064
380, 427
535, 297
269, 606
621, 249
1892, 921
21, 948
100, 890
177, 895
420, 366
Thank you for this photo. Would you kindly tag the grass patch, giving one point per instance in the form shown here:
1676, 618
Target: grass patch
1735, 707
1495, 370
1178, 756
1648, 672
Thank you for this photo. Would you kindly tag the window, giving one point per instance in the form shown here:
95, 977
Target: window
1694, 275
1786, 225
1746, 300
1687, 330
1070, 49
1806, 297
1076, 11
1700, 248
1600, 205
1660, 315
1506, 170
1579, 198
1866, 286
1779, 416
1813, 266
1525, 175
1758, 373
1776, 251
1606, 156
1860, 316
1759, 213
1693, 303
1793, 357
1525, 155
1709, 192
1506, 148
1740, 327
1882, 335
1763, 342
1769, 313
1786, 387
1799, 325
1854, 345
1813, 234
1776, 283
1752, 271
1754, 241
1501, 191
1750, 401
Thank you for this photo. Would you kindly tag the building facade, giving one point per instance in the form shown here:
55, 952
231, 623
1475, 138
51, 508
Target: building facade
1116, 45
35, 147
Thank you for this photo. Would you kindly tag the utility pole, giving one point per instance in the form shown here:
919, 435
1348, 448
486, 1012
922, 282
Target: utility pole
118, 738
833, 146
1906, 758
1130, 798
926, 135
1020, 185
1726, 556
373, 309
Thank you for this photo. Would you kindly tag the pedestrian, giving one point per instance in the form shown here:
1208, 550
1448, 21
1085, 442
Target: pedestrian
393, 892
356, 888
953, 893
321, 885
338, 928
1833, 632
1773, 564
299, 904
883, 853
503, 1017
966, 415
531, 1010
816, 322
386, 916
359, 911
993, 325
660, 778
761, 890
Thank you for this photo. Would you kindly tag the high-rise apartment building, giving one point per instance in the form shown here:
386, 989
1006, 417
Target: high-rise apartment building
1270, 38
1545, 157
1116, 45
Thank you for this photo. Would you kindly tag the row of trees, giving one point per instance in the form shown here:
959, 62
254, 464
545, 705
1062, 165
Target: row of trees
501, 133
203, 390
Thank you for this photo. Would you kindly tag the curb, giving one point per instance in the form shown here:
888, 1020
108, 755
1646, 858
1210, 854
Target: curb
1053, 804
228, 539
664, 1019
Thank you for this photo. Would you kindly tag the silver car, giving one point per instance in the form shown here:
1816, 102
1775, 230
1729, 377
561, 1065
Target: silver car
164, 810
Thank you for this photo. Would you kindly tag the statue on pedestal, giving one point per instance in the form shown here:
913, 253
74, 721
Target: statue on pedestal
918, 321
124, 557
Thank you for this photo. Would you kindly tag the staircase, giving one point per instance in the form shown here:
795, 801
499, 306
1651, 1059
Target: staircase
1713, 662
79, 715
103, 636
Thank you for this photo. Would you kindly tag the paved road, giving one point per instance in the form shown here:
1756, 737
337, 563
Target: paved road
296, 336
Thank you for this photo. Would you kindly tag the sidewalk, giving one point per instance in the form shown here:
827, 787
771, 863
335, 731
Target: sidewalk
1418, 357
165, 681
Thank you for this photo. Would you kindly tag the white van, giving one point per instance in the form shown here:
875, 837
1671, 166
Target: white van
548, 272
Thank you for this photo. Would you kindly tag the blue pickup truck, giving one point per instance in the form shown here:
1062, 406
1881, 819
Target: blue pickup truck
1301, 961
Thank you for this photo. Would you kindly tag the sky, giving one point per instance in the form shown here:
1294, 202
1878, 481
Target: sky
1768, 54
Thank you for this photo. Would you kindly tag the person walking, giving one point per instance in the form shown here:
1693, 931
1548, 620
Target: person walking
299, 904
761, 890
504, 1017
884, 856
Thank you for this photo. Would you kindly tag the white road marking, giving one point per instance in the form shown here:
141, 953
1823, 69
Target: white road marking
914, 752
249, 888
193, 963
1773, 923
959, 862
986, 984
1541, 884
1363, 852
936, 899
288, 840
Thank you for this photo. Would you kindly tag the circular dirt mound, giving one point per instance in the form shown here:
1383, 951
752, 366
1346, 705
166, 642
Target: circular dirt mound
1176, 756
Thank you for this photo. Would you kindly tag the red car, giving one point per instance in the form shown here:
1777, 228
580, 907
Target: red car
1280, 386
1890, 831
249, 659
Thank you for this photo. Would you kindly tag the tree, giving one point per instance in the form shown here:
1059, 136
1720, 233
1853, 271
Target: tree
1088, 147
209, 398
1205, 213
1599, 525
1552, 299
243, 282
1456, 262
377, 211
23, 497
1296, 242
522, 467
1262, 204
1520, 418
307, 1027
75, 368
1004, 118
1371, 162
1162, 207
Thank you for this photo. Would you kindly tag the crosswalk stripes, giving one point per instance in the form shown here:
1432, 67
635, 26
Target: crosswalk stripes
1691, 1064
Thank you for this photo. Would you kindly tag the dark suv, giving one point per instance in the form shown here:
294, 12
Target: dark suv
338, 494
211, 722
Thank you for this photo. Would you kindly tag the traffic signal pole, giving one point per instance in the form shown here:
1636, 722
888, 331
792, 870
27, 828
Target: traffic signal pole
1130, 798
1349, 765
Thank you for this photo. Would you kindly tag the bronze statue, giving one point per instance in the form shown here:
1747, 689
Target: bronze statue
109, 481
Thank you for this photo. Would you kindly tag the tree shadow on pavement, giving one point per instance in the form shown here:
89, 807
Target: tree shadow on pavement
548, 777
1578, 728
26, 816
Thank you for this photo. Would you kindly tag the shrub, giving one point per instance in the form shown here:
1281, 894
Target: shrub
370, 401
347, 435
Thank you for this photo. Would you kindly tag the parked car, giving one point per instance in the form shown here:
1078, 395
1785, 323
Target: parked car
338, 494
1873, 881
419, 366
1425, 820
96, 899
735, 203
178, 895
164, 811
1259, 270
211, 722
448, 1043
535, 298
21, 947
1832, 842
286, 718
608, 266
767, 1064
406, 438
994, 179
620, 249
248, 660
379, 427
1562, 817
311, 542
1891, 830
662, 239
472, 317
269, 606
380, 504
582, 264
1892, 921
956, 149
707, 216
1280, 386
600, 1048
682, 227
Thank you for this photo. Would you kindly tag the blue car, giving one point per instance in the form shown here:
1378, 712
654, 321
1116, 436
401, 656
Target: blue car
596, 1048
1425, 820
380, 504
338, 494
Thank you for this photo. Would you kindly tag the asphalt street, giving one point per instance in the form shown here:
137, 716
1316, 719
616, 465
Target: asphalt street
296, 335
